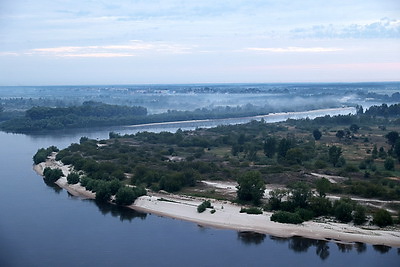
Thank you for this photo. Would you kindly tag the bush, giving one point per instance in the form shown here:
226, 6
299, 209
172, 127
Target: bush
359, 215
103, 193
125, 196
52, 175
42, 154
389, 164
320, 206
252, 210
342, 211
203, 206
305, 214
286, 217
382, 218
73, 178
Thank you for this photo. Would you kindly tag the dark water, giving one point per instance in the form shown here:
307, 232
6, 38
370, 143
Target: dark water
41, 225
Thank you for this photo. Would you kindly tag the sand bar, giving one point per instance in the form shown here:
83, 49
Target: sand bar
227, 216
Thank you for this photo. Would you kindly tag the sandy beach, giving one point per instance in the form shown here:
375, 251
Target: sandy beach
227, 216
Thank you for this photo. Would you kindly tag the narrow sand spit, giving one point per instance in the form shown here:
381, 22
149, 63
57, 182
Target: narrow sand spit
227, 216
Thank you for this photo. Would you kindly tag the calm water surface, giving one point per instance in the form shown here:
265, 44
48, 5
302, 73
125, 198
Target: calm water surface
41, 225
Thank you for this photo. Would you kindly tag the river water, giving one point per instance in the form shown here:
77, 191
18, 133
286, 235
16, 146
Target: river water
41, 225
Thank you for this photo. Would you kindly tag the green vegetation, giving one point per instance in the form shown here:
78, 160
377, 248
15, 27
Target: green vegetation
286, 217
251, 210
203, 206
42, 154
73, 178
90, 114
364, 159
52, 175
382, 218
251, 187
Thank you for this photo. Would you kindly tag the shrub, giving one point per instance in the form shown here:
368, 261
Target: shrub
52, 175
203, 206
359, 215
252, 210
286, 217
382, 218
73, 178
42, 154
389, 164
343, 212
125, 196
103, 193
305, 214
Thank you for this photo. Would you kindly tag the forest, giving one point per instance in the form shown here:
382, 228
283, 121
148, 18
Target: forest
361, 151
98, 114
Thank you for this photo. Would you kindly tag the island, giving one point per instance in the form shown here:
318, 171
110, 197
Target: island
331, 178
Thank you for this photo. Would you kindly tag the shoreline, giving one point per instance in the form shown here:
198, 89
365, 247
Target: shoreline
227, 216
256, 117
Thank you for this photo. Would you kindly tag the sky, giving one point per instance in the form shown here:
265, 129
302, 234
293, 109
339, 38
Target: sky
93, 42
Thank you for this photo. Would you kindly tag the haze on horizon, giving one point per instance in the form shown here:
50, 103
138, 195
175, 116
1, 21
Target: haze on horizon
56, 42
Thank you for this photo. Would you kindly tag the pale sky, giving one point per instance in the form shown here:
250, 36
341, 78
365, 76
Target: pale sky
56, 42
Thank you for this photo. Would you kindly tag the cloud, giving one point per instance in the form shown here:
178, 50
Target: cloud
293, 49
133, 48
384, 28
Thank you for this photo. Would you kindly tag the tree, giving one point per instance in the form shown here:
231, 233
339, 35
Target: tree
317, 134
73, 178
396, 149
334, 154
103, 193
382, 218
270, 147
275, 198
354, 128
52, 175
389, 164
294, 156
251, 187
343, 211
125, 196
392, 137
359, 215
320, 206
301, 194
340, 134
375, 152
283, 146
323, 186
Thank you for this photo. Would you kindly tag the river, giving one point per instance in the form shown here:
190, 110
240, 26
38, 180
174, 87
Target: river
41, 225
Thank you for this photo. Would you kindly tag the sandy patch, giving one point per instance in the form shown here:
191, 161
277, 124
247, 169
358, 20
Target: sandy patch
227, 214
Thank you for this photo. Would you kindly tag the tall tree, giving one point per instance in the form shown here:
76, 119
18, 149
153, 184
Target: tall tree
392, 137
251, 187
334, 154
270, 147
317, 134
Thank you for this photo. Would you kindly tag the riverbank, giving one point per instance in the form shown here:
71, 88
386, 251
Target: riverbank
227, 216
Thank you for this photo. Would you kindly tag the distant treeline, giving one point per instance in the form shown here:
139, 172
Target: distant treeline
97, 114
89, 114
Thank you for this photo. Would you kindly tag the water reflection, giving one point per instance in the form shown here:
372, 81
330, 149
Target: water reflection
301, 245
344, 247
360, 247
53, 186
381, 248
250, 238
322, 249
123, 213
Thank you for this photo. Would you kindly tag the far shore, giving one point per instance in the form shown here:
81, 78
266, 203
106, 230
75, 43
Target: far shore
227, 216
